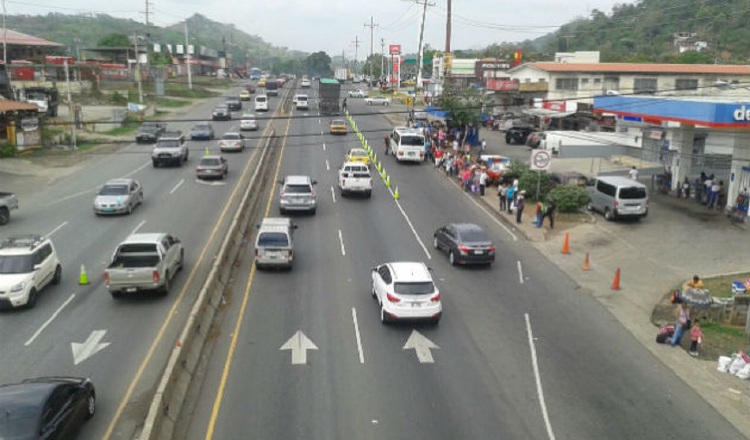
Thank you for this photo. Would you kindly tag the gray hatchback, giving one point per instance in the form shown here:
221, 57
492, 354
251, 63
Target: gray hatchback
297, 194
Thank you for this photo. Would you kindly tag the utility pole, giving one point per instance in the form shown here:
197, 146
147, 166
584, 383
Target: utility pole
418, 82
71, 115
382, 57
138, 68
447, 52
372, 27
5, 36
356, 48
148, 3
187, 59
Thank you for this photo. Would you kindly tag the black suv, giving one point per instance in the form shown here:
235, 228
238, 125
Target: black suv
234, 103
518, 133
149, 132
46, 407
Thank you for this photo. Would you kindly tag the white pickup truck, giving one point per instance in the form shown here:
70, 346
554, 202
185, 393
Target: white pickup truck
355, 178
144, 262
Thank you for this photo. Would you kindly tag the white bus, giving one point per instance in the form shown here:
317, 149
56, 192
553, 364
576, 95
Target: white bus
407, 144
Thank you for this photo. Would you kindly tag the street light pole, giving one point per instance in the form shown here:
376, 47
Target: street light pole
187, 59
138, 69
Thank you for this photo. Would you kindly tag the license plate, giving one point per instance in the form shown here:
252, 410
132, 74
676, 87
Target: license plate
131, 289
479, 252
411, 153
416, 304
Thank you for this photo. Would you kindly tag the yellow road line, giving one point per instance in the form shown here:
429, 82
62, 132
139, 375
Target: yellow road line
238, 325
160, 334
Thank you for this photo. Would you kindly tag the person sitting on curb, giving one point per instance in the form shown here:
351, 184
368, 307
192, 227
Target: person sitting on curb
695, 283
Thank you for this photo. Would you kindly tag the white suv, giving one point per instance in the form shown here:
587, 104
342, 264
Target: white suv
28, 263
405, 290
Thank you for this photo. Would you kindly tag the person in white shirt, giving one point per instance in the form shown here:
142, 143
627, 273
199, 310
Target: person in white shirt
633, 173
483, 181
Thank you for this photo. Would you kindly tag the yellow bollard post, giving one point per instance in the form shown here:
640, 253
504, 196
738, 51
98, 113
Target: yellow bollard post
387, 181
395, 194
83, 278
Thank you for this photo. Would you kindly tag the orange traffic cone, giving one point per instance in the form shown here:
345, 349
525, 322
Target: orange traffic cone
566, 244
586, 262
616, 281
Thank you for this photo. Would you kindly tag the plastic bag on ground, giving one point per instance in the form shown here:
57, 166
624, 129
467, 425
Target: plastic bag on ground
744, 372
724, 362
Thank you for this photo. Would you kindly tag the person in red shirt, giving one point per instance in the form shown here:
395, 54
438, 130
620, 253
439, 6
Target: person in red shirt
696, 337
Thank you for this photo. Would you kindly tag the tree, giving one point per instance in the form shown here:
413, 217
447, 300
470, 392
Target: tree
375, 64
319, 64
114, 40
464, 107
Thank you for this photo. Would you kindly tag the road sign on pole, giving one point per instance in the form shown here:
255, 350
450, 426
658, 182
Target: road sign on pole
540, 160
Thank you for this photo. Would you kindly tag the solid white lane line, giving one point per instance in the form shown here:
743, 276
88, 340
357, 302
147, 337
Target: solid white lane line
324, 147
328, 167
333, 194
143, 222
319, 122
321, 133
60, 226
49, 321
356, 334
176, 187
520, 272
341, 239
494, 219
414, 231
538, 379
148, 162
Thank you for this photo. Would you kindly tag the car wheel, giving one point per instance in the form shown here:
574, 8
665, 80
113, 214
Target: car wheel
372, 292
608, 215
452, 258
182, 260
383, 316
435, 243
155, 163
165, 288
590, 207
4, 215
312, 211
130, 208
282, 211
31, 302
57, 276
90, 406
116, 294
368, 194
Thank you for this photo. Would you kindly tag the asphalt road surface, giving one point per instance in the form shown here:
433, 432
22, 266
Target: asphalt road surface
519, 353
125, 342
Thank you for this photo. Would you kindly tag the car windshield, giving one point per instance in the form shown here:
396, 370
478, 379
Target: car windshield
412, 141
171, 143
201, 128
260, 99
419, 288
113, 190
19, 423
472, 236
632, 192
231, 136
210, 162
148, 128
273, 239
337, 122
357, 153
221, 108
248, 116
298, 189
16, 264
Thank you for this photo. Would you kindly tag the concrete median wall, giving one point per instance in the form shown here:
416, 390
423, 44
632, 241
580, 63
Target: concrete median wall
176, 379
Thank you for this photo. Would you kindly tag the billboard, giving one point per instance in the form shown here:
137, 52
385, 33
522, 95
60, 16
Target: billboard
394, 49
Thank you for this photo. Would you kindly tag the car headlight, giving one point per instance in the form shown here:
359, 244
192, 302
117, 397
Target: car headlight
18, 287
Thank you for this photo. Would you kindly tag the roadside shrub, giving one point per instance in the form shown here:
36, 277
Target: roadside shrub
527, 180
569, 198
8, 150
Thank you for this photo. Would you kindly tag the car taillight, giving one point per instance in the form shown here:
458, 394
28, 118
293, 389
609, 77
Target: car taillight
290, 254
155, 276
400, 153
392, 298
106, 278
435, 298
421, 154
463, 249
491, 249
617, 203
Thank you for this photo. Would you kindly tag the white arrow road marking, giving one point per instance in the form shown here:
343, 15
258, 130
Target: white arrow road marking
299, 344
176, 187
421, 346
81, 352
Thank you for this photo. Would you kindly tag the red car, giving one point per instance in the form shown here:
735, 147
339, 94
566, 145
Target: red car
250, 88
495, 166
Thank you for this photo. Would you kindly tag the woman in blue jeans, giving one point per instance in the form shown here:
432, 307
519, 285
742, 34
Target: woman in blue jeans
683, 316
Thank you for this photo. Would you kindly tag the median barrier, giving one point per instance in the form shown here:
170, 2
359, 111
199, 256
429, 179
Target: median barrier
172, 388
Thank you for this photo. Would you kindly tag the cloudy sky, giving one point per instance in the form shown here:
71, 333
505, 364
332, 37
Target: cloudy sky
334, 25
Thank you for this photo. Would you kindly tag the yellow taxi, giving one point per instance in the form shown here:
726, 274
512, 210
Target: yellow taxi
338, 126
261, 82
245, 95
357, 155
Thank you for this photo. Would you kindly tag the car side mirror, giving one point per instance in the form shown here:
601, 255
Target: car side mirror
280, 182
314, 182
295, 226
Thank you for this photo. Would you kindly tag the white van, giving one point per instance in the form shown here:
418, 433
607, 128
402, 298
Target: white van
274, 244
407, 144
261, 103
301, 102
618, 197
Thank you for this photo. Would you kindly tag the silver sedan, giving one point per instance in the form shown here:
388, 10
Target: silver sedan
118, 196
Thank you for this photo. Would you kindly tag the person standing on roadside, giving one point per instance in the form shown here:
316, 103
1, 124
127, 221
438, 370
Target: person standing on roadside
696, 338
539, 213
483, 177
682, 315
501, 195
633, 173
509, 193
550, 212
520, 204
387, 144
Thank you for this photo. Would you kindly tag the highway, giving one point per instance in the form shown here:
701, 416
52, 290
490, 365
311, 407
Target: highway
520, 352
80, 330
